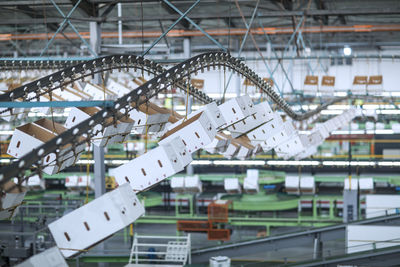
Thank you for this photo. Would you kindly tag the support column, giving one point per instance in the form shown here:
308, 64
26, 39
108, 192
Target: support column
119, 23
98, 152
187, 52
99, 171
95, 44
238, 80
350, 205
318, 246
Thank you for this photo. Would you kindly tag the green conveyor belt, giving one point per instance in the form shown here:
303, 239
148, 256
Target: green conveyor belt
263, 202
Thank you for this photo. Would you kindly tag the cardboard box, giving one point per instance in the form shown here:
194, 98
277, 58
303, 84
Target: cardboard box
354, 184
51, 257
263, 114
33, 183
71, 182
111, 134
67, 156
193, 184
323, 131
117, 88
236, 109
213, 113
291, 147
154, 123
178, 184
217, 145
366, 184
268, 133
244, 153
232, 186
96, 221
231, 151
307, 152
32, 135
285, 132
13, 195
196, 132
8, 214
250, 184
176, 145
292, 184
85, 181
149, 169
99, 93
307, 185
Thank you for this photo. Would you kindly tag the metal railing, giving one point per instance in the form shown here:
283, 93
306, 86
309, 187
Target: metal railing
160, 249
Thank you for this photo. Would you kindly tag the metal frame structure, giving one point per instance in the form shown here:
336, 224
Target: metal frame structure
287, 240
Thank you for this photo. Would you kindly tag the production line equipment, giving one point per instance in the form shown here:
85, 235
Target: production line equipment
51, 147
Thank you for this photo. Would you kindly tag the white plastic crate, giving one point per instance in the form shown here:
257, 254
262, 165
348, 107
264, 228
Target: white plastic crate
195, 132
232, 186
307, 185
149, 169
96, 221
51, 257
178, 184
292, 185
193, 184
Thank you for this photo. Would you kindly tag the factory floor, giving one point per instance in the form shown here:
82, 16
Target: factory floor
118, 245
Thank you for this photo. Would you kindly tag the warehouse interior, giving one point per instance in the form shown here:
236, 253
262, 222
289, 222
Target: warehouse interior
199, 133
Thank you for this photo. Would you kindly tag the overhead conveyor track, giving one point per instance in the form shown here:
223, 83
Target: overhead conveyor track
262, 245
175, 76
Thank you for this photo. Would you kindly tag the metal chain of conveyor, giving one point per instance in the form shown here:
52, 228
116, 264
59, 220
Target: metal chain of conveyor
173, 77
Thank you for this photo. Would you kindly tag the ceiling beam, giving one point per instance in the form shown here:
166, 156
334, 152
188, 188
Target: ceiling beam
198, 15
321, 6
90, 9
